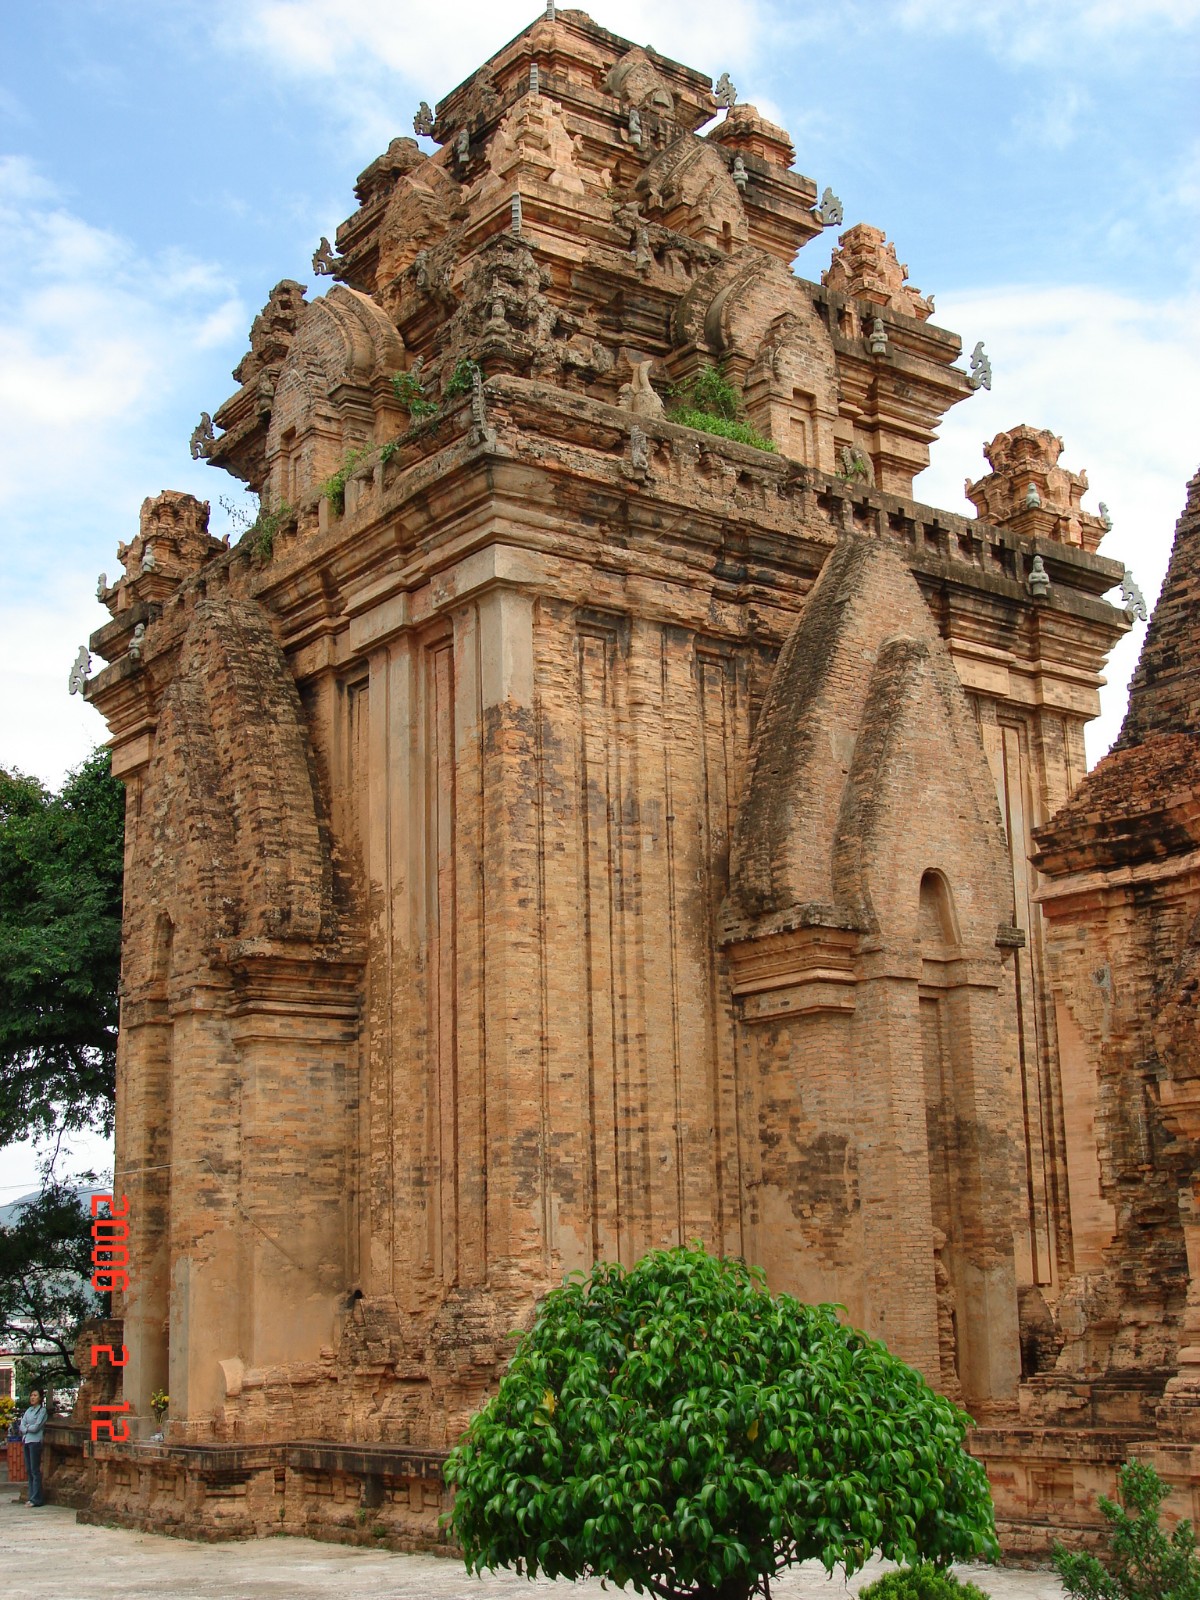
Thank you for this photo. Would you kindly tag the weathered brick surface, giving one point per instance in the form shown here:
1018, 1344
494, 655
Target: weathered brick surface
1122, 860
583, 833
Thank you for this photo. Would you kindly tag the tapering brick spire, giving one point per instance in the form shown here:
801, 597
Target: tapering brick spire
1164, 696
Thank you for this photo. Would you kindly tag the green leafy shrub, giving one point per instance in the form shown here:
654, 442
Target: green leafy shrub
334, 487
922, 1582
262, 531
677, 1428
409, 389
1142, 1562
461, 380
710, 403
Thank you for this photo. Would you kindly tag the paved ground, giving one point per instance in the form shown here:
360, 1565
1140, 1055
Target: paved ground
46, 1555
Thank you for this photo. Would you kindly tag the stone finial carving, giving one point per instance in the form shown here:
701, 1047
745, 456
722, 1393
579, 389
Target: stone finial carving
551, 11
136, 643
740, 176
462, 147
1133, 599
635, 126
149, 559
102, 586
1033, 499
639, 394
1038, 582
423, 121
877, 344
203, 438
830, 212
1106, 517
643, 256
324, 261
981, 369
865, 266
639, 449
79, 672
518, 214
535, 79
724, 93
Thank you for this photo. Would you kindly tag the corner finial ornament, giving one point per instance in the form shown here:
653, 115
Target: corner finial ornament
1033, 499
102, 586
79, 672
518, 213
1106, 517
1133, 598
324, 261
830, 213
740, 176
551, 11
423, 121
1038, 582
877, 344
635, 126
724, 93
535, 78
981, 369
135, 644
203, 438
462, 147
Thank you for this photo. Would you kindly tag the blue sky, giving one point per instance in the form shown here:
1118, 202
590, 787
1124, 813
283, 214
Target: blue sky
163, 164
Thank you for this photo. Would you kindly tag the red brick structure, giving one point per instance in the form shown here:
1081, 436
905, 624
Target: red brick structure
555, 831
1122, 904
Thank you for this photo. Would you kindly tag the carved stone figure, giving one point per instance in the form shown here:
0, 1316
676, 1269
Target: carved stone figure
740, 176
202, 438
1038, 581
639, 394
830, 212
423, 122
878, 342
324, 261
1033, 499
1133, 598
981, 368
80, 670
724, 93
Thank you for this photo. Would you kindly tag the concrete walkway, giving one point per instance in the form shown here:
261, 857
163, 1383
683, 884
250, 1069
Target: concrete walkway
46, 1555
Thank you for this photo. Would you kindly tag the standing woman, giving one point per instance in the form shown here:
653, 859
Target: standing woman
33, 1428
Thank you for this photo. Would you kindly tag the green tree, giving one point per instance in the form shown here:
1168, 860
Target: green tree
61, 859
678, 1429
1141, 1563
45, 1292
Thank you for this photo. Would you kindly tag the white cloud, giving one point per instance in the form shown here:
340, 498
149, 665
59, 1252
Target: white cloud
1031, 30
362, 48
95, 344
1108, 373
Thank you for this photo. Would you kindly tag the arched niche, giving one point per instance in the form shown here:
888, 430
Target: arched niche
333, 393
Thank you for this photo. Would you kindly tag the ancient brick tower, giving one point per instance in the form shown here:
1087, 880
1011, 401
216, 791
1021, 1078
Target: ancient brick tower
555, 831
